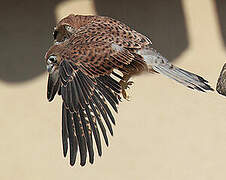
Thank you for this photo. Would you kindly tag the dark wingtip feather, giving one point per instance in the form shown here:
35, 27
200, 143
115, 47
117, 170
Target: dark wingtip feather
88, 135
72, 138
83, 163
65, 148
100, 152
111, 131
52, 86
72, 163
64, 131
72, 155
81, 138
91, 159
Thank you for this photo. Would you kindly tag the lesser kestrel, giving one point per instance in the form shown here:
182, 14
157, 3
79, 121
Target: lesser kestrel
81, 64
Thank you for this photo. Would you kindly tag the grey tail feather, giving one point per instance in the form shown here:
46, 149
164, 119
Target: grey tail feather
184, 77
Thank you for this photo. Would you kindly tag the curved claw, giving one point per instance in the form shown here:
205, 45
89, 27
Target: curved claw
125, 95
125, 85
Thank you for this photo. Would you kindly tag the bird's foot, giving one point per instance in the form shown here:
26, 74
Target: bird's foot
125, 85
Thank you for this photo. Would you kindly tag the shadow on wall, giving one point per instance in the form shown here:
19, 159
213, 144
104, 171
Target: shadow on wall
221, 10
162, 21
26, 29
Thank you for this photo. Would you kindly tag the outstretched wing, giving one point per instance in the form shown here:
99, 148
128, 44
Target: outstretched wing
85, 108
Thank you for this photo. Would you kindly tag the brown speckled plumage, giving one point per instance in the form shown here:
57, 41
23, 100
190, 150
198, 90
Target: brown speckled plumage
81, 64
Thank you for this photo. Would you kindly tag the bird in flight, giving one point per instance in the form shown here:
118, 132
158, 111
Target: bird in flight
90, 64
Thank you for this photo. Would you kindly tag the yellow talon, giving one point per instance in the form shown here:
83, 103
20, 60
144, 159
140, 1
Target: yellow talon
125, 95
125, 85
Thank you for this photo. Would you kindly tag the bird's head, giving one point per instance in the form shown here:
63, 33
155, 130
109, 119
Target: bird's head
53, 58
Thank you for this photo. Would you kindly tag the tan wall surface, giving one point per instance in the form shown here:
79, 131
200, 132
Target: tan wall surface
166, 132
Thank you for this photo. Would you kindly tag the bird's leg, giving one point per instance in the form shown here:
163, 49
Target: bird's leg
125, 83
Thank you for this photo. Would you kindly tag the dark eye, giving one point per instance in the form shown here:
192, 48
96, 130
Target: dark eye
55, 32
52, 59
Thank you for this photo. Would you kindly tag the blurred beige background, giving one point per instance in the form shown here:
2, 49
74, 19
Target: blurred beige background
166, 132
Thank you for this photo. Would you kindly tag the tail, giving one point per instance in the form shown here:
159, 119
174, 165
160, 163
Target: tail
160, 64
184, 77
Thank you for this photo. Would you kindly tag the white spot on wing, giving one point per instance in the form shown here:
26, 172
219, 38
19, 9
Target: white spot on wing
151, 56
116, 47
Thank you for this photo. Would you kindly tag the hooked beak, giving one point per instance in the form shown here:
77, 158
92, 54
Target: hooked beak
53, 85
50, 68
